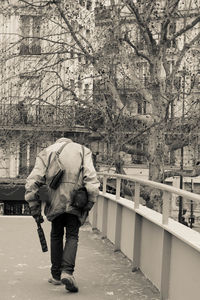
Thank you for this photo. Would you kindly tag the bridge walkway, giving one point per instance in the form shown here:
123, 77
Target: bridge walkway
101, 273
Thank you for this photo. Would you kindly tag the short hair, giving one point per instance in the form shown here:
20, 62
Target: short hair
197, 163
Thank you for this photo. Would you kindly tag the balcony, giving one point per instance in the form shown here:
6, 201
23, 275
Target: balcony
46, 117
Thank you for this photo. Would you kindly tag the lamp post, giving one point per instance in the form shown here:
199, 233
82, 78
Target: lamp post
191, 219
180, 214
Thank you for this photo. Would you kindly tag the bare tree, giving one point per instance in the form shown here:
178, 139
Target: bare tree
133, 54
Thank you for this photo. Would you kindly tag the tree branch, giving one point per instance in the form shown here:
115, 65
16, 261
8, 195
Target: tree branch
185, 29
143, 26
127, 40
168, 14
186, 47
149, 9
195, 172
72, 32
173, 6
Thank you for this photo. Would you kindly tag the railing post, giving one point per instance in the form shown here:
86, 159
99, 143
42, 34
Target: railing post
94, 216
118, 225
137, 242
137, 195
105, 209
104, 184
118, 187
118, 220
137, 230
165, 267
166, 206
105, 217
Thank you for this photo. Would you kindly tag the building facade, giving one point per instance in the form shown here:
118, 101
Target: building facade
50, 85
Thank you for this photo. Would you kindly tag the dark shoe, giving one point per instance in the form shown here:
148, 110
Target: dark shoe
69, 282
54, 281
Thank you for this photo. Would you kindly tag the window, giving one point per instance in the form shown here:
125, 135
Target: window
102, 13
87, 33
22, 116
177, 82
23, 170
32, 155
142, 107
80, 84
30, 30
82, 2
72, 84
71, 53
89, 4
171, 32
86, 89
79, 57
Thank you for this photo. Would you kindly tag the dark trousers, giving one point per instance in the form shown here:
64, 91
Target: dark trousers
64, 259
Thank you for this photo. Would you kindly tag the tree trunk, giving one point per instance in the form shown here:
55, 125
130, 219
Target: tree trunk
156, 153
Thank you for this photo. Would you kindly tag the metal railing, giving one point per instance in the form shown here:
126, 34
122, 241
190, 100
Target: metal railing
27, 114
149, 238
166, 196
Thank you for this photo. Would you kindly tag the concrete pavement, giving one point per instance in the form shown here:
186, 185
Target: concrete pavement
100, 272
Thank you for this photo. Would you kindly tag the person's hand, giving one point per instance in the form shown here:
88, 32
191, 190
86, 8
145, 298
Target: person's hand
38, 219
88, 206
36, 214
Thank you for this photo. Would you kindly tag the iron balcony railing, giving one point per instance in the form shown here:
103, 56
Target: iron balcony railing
33, 115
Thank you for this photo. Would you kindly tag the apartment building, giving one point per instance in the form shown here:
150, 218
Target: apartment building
40, 70
48, 77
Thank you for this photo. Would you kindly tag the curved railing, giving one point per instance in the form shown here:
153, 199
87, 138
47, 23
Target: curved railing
167, 191
166, 251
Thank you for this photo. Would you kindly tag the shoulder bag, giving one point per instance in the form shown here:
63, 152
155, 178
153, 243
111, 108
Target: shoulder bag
79, 195
55, 170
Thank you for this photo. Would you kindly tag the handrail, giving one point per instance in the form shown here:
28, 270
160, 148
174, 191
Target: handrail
169, 243
156, 185
167, 191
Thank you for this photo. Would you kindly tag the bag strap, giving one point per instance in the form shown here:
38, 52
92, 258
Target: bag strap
57, 155
62, 147
81, 166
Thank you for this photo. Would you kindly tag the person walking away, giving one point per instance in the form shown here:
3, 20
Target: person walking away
60, 210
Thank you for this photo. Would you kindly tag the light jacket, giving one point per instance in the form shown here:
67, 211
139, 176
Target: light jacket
60, 199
